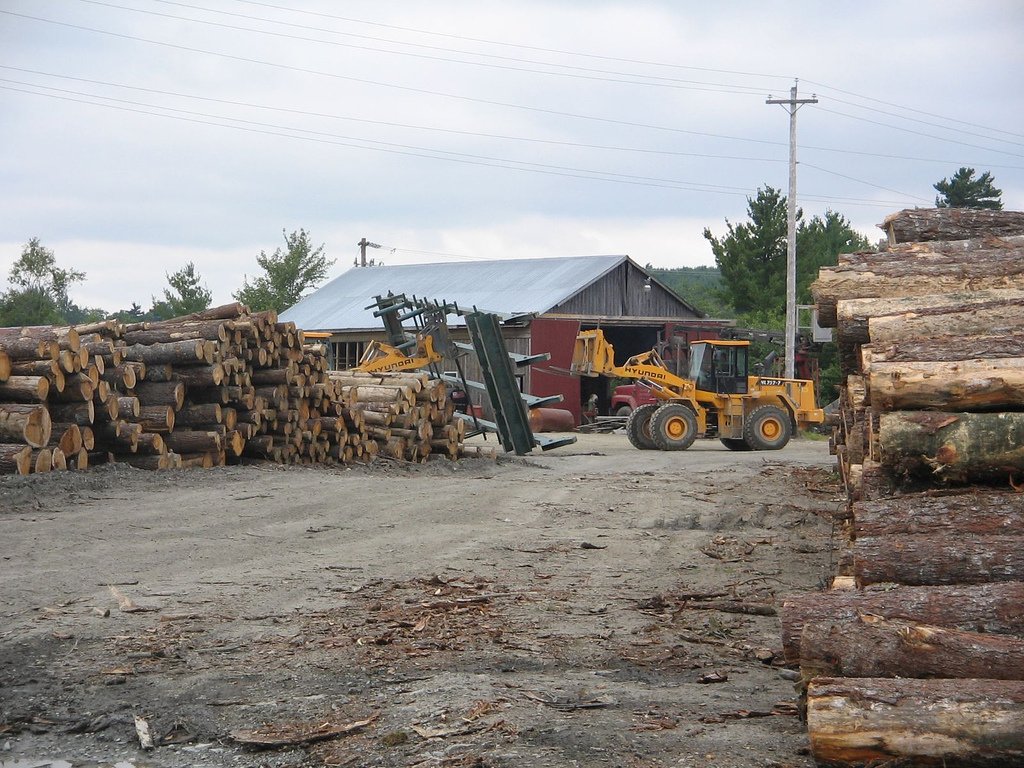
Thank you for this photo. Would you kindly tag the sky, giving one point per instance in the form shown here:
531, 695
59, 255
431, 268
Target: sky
142, 135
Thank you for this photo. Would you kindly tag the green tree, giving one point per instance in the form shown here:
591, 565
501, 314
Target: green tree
962, 190
186, 295
818, 244
699, 286
752, 256
39, 289
287, 274
752, 259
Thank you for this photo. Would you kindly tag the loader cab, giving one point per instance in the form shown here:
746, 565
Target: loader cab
720, 366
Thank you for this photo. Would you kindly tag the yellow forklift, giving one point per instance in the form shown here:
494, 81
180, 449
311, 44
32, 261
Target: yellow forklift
717, 399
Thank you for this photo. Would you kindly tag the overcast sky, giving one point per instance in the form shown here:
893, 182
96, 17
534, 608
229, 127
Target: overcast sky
139, 135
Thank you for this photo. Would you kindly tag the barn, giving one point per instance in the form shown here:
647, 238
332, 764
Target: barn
546, 301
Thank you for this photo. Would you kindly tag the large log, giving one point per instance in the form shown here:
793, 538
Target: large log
66, 337
182, 352
188, 441
78, 387
25, 423
15, 458
893, 319
80, 413
170, 393
873, 646
155, 418
923, 224
214, 330
951, 723
893, 279
202, 413
992, 608
24, 389
49, 368
951, 250
22, 348
938, 559
959, 385
945, 348
953, 447
972, 512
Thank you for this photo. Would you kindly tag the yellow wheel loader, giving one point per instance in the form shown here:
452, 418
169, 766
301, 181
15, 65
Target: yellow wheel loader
717, 399
384, 358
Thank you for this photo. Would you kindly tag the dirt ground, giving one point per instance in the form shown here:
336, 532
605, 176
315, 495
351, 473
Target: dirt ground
570, 608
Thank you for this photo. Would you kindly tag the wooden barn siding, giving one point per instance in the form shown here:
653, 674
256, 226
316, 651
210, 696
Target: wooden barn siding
621, 293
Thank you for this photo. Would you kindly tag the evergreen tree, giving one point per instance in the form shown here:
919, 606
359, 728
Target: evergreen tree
752, 256
186, 295
962, 190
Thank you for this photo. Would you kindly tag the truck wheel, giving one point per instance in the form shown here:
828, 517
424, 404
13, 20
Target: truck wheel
735, 443
674, 427
624, 412
638, 427
767, 428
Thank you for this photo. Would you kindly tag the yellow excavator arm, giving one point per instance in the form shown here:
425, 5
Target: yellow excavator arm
384, 358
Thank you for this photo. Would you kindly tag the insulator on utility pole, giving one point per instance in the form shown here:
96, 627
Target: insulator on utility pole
363, 245
791, 105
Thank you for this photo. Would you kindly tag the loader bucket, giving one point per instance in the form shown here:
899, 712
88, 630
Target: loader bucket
592, 355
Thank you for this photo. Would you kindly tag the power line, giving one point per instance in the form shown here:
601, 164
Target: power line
515, 165
506, 137
513, 45
926, 122
695, 186
308, 113
919, 133
605, 58
667, 82
861, 181
912, 109
382, 84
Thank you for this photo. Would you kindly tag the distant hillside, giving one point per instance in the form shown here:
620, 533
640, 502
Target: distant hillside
699, 286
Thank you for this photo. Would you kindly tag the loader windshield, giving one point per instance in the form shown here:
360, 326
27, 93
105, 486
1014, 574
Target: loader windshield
719, 368
702, 367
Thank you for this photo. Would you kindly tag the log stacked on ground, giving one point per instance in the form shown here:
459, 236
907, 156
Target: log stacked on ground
929, 437
212, 388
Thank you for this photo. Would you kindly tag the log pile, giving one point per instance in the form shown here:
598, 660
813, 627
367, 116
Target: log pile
930, 442
218, 387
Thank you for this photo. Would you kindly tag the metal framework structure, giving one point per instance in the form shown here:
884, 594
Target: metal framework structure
498, 366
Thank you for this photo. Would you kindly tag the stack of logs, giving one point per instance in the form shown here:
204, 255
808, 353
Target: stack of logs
931, 588
209, 389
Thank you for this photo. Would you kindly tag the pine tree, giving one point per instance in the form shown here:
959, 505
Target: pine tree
962, 190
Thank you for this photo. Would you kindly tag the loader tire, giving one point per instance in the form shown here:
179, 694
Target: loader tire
638, 427
767, 428
674, 427
735, 443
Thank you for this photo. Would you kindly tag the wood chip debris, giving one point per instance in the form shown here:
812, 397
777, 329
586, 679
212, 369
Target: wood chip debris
271, 736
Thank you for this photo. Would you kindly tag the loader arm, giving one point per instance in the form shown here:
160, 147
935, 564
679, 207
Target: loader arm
593, 355
384, 358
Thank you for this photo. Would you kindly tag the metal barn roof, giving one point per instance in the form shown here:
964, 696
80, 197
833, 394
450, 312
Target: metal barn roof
513, 286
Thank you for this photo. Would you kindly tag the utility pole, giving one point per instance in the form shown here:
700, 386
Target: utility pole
792, 104
363, 245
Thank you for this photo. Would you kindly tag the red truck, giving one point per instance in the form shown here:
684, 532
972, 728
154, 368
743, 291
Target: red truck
628, 397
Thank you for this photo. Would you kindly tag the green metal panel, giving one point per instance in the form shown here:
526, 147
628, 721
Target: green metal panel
499, 376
